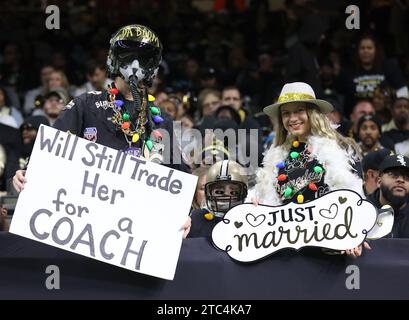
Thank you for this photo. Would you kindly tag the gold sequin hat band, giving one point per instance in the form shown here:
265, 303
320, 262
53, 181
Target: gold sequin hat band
297, 92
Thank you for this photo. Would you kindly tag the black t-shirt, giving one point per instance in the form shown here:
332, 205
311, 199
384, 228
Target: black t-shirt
360, 83
201, 227
300, 174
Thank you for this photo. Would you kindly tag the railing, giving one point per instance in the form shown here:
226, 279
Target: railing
206, 273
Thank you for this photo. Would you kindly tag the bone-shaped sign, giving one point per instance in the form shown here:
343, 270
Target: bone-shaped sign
338, 220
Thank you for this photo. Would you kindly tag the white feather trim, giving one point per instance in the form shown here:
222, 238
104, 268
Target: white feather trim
337, 165
267, 176
336, 162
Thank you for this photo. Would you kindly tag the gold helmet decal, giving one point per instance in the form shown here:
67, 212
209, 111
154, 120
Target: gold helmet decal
136, 32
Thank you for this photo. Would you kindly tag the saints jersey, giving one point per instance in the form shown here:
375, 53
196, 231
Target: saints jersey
89, 116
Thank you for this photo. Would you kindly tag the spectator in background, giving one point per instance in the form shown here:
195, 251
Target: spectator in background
58, 79
209, 101
97, 79
3, 161
393, 190
10, 139
237, 64
12, 97
228, 112
13, 73
54, 104
187, 121
32, 95
369, 133
190, 80
208, 78
361, 108
160, 97
177, 101
382, 102
231, 96
370, 169
4, 226
371, 71
170, 108
8, 114
29, 130
199, 197
396, 132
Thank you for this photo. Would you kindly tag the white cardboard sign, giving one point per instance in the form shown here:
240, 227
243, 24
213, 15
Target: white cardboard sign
98, 202
338, 220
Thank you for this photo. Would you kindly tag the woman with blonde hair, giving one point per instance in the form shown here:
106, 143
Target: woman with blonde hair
309, 157
199, 197
209, 101
58, 79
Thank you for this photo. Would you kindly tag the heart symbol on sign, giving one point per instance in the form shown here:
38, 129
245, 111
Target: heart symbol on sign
342, 200
255, 221
238, 224
330, 213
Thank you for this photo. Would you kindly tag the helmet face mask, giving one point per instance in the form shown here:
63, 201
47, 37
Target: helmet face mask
135, 51
221, 196
226, 186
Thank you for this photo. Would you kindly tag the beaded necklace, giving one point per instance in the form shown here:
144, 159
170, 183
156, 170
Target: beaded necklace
142, 127
298, 160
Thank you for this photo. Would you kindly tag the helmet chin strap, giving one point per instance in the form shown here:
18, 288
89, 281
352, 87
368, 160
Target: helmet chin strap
133, 74
138, 75
133, 83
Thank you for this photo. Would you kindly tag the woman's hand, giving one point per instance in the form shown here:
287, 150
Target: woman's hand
19, 180
255, 201
357, 252
186, 227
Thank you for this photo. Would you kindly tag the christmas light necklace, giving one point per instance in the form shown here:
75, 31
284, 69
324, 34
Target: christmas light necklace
289, 190
142, 127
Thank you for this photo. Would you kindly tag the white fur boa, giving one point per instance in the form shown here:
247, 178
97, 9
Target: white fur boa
335, 161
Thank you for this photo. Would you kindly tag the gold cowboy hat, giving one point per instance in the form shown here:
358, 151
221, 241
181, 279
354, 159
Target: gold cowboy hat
297, 92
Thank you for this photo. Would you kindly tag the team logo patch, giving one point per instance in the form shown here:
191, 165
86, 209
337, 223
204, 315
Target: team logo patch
69, 105
90, 134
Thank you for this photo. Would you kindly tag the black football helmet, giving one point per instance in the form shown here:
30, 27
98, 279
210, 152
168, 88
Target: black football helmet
135, 52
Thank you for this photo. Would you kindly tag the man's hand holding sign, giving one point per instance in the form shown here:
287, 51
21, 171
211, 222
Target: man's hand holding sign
99, 202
